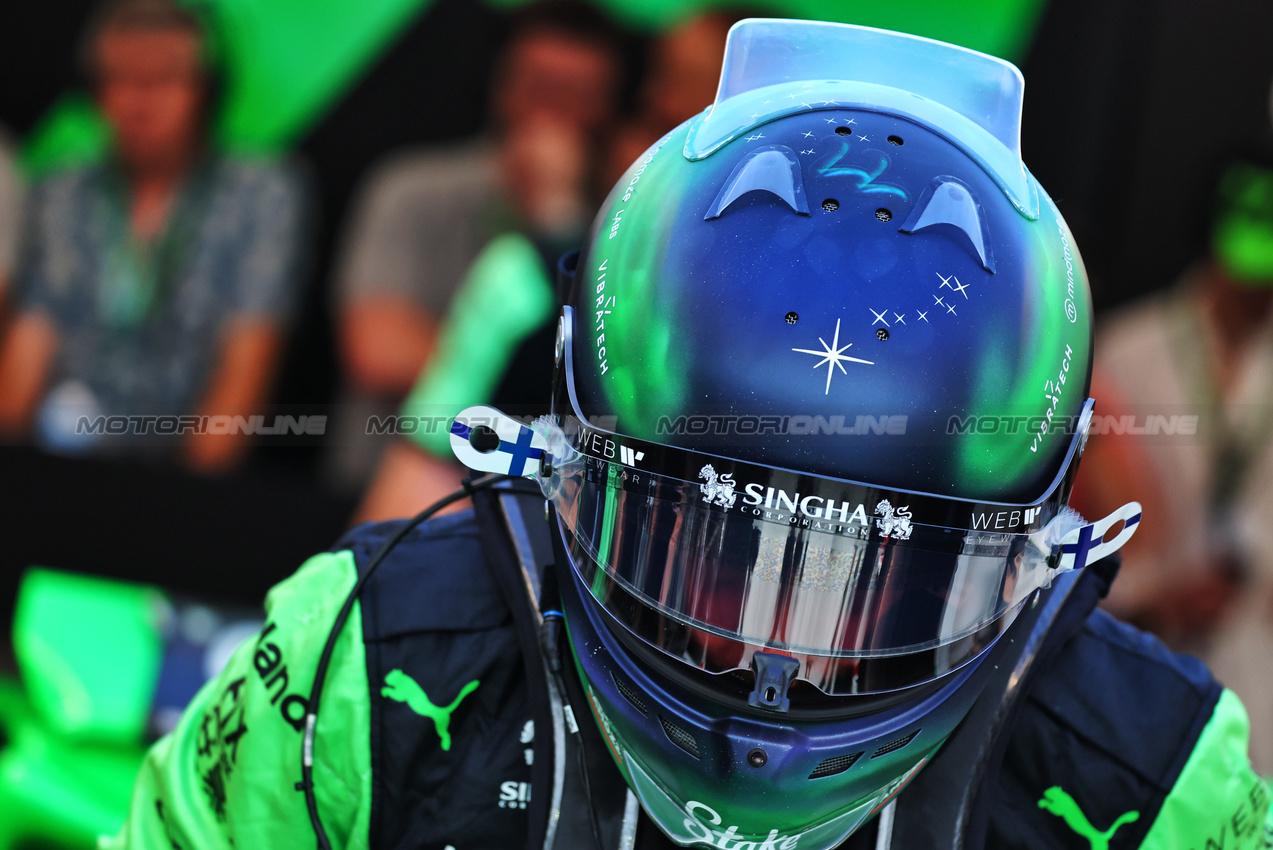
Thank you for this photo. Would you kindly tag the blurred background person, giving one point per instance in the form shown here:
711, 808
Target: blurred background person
10, 222
681, 74
425, 215
158, 282
500, 327
1201, 575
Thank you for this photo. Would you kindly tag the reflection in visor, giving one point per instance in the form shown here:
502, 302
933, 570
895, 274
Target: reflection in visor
710, 581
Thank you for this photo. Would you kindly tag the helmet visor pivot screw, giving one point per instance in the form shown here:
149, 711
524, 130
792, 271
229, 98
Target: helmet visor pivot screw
484, 439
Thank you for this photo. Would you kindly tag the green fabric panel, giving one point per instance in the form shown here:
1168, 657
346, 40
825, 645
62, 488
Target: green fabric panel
291, 59
505, 298
89, 651
225, 777
53, 788
1219, 801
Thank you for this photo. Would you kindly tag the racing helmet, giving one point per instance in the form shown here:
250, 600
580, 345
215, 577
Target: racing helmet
821, 393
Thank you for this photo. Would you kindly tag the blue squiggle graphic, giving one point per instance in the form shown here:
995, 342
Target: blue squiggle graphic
864, 181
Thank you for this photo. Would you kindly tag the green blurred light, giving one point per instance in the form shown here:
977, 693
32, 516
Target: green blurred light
1242, 237
292, 59
89, 651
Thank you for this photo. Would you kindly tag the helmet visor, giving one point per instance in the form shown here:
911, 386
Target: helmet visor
712, 570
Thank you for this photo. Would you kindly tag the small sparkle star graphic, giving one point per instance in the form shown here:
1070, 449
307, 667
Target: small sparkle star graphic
960, 287
950, 308
829, 120
806, 153
833, 356
864, 138
756, 137
879, 317
900, 318
937, 300
923, 316
807, 135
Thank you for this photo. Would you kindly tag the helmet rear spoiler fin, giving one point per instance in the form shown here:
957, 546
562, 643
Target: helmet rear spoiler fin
776, 67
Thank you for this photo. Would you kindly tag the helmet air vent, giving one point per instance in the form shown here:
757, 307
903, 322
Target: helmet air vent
949, 204
834, 765
895, 744
631, 695
774, 170
679, 736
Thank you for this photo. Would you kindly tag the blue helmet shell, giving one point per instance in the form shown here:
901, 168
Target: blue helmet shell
841, 269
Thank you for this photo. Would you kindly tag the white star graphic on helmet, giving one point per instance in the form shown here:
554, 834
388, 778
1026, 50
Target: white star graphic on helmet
900, 317
807, 134
945, 281
923, 315
832, 356
879, 317
756, 137
960, 288
950, 308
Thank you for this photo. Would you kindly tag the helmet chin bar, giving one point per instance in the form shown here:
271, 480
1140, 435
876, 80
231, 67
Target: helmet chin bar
695, 800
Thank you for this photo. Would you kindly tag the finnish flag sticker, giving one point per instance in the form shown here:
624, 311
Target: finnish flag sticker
486, 440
